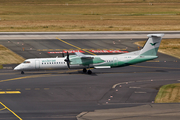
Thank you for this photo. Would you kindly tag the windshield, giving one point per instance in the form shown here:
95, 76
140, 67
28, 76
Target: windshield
26, 62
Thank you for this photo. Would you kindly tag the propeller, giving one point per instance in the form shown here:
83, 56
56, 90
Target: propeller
62, 54
67, 60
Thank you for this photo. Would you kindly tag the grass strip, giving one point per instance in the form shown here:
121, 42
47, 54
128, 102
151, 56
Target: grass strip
100, 15
168, 94
9, 57
66, 2
1, 66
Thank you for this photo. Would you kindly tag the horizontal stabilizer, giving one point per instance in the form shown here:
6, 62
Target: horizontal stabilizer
155, 35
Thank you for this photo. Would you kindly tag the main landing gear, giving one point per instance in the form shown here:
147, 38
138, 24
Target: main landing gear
87, 71
22, 72
84, 70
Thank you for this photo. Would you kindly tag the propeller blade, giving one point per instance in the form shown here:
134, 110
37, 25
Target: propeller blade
67, 60
62, 54
67, 55
68, 65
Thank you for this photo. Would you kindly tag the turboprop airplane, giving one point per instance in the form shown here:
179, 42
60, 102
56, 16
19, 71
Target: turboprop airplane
148, 52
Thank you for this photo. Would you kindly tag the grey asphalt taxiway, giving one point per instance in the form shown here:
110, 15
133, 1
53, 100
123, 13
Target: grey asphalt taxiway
112, 94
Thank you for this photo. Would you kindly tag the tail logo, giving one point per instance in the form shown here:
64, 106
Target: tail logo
153, 44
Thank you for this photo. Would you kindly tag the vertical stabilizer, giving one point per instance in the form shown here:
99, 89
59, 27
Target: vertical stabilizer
152, 45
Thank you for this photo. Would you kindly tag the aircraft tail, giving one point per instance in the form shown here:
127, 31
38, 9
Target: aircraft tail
152, 45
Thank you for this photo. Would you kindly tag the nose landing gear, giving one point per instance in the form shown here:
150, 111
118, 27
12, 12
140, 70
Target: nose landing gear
22, 72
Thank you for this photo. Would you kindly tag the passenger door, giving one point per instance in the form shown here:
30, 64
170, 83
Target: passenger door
37, 64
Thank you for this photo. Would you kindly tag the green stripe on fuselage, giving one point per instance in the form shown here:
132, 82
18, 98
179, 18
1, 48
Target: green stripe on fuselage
141, 58
138, 59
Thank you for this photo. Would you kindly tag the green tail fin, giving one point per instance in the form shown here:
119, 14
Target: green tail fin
152, 45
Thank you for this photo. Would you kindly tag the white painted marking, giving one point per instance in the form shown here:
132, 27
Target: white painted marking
114, 86
131, 81
134, 87
81, 114
140, 92
178, 80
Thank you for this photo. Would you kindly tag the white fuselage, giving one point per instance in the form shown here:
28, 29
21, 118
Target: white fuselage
59, 63
80, 60
43, 64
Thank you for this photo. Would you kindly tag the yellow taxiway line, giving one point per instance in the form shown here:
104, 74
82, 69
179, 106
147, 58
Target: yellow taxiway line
10, 92
5, 107
33, 76
36, 76
2, 109
75, 46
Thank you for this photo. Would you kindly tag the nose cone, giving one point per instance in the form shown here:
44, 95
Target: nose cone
17, 68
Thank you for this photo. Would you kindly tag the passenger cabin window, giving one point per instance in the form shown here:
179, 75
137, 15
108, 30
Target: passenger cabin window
26, 62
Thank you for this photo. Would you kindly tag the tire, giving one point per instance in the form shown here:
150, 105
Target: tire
84, 70
89, 72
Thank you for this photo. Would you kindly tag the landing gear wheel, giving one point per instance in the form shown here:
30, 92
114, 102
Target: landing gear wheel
89, 72
84, 70
22, 72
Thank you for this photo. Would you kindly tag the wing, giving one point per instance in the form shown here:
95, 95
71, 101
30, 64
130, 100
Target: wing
79, 54
82, 56
85, 60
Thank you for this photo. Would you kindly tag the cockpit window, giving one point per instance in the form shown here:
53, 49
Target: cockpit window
26, 62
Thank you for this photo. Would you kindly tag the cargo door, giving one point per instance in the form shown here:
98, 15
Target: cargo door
115, 61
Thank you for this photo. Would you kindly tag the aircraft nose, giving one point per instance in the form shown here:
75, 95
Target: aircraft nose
17, 67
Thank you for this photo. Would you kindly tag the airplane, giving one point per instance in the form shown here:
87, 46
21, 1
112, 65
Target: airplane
85, 62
